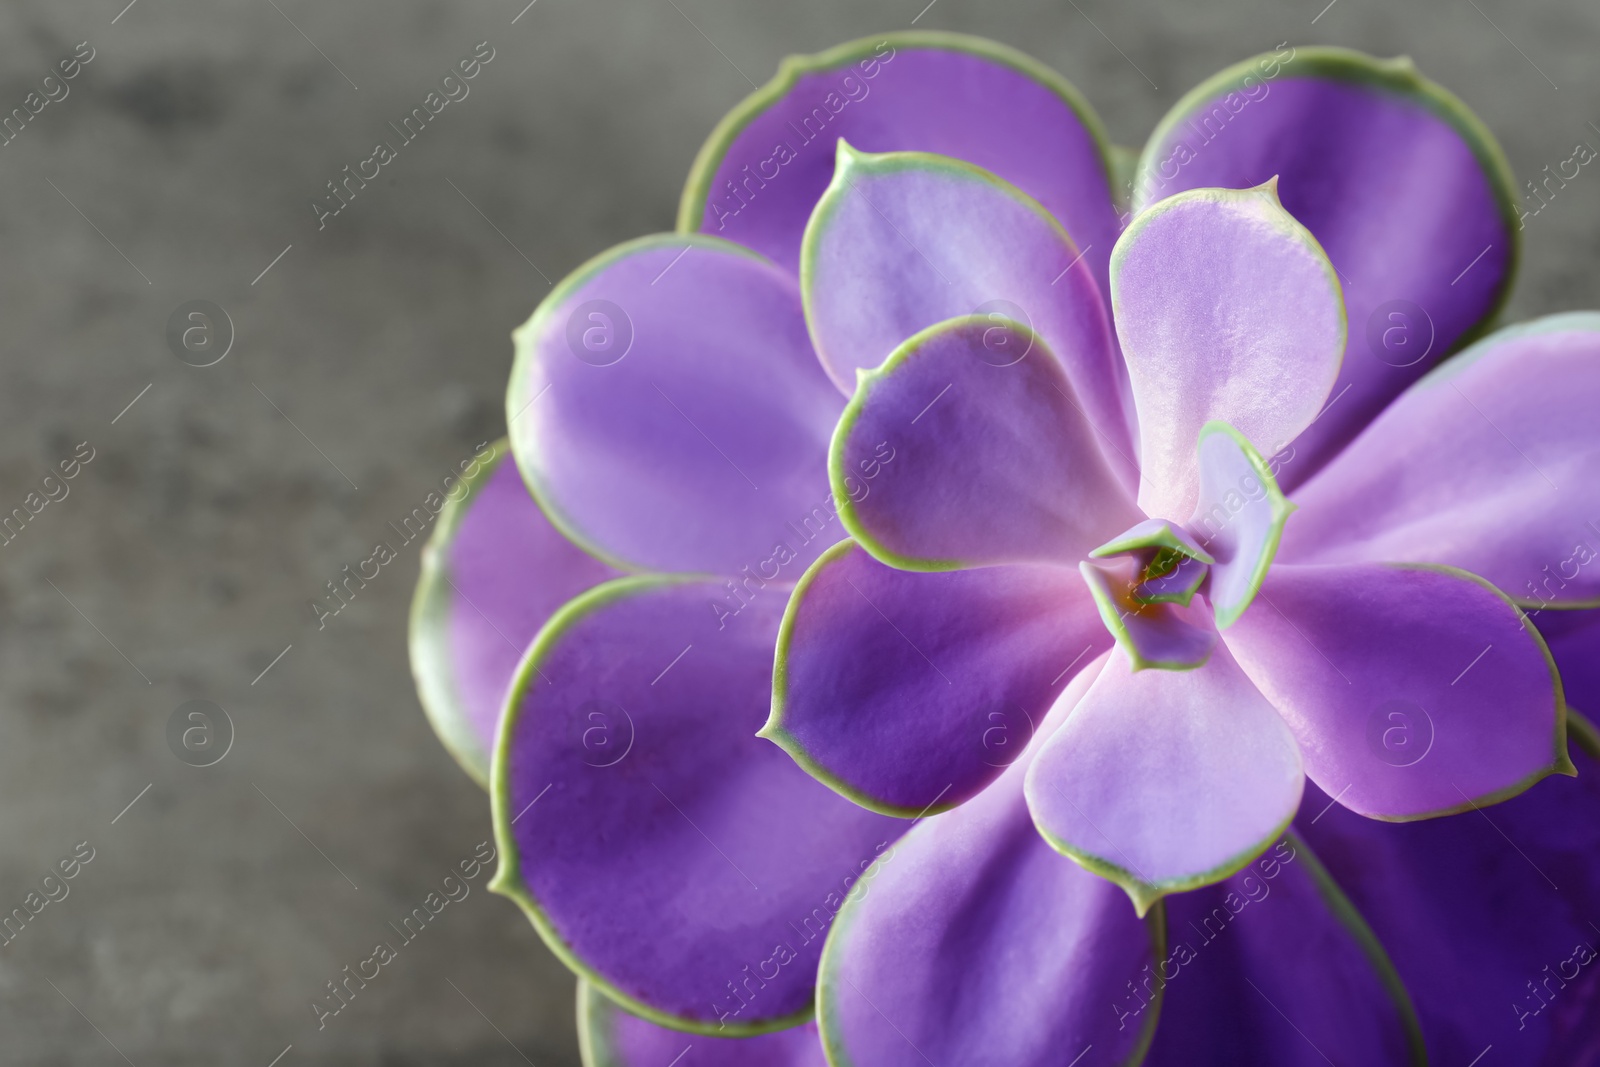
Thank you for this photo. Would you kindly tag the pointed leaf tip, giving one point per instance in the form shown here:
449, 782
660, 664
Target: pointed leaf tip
1402, 65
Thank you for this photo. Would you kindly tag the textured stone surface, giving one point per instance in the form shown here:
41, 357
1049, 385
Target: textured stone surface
195, 139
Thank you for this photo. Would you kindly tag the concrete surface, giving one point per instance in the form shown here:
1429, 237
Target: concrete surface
180, 564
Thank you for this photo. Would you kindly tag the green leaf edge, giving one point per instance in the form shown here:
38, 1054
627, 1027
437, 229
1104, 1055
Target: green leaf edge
775, 731
429, 617
1281, 510
1183, 596
507, 880
1124, 164
597, 1016
595, 1012
877, 164
1485, 348
692, 202
1264, 194
1094, 578
1164, 537
1583, 733
525, 338
1145, 894
1345, 912
828, 1023
1397, 77
1561, 763
866, 380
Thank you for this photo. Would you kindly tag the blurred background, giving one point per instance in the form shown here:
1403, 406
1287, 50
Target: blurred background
367, 359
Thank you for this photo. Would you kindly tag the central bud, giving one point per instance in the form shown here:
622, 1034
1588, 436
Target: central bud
1169, 563
1145, 579
1143, 582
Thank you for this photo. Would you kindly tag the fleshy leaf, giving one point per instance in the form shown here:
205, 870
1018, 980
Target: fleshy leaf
949, 456
1165, 781
667, 381
1232, 994
492, 573
1401, 184
1487, 464
1239, 517
766, 164
611, 1036
905, 240
1415, 690
1489, 915
972, 943
1227, 309
910, 692
660, 848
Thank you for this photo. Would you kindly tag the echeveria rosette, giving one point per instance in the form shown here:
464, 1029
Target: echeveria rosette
641, 490
670, 417
876, 690
1187, 758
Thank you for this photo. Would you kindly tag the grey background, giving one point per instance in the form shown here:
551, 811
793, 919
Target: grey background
195, 141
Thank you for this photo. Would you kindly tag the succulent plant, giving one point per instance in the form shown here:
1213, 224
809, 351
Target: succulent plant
894, 571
